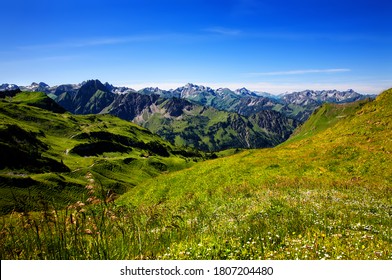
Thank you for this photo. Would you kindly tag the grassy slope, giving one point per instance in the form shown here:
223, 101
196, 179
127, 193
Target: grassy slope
37, 99
22, 187
324, 194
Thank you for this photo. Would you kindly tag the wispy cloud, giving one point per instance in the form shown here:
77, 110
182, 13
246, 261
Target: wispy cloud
116, 40
223, 31
120, 40
300, 72
96, 42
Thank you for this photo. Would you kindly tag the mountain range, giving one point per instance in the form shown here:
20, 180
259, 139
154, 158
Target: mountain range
197, 116
298, 105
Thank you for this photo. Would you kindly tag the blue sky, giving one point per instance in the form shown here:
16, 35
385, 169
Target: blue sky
273, 46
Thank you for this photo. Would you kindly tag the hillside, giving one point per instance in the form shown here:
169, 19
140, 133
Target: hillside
326, 193
356, 137
39, 100
45, 153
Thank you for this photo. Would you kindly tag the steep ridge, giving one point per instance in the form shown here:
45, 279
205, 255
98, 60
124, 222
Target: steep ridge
91, 98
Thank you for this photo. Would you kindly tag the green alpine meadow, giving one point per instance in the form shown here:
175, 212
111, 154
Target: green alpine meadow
94, 186
45, 154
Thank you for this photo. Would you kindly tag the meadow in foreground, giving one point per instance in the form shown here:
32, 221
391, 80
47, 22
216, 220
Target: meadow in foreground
285, 219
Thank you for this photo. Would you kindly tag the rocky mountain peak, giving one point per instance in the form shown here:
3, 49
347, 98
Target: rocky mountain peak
245, 92
93, 84
110, 87
6, 87
42, 84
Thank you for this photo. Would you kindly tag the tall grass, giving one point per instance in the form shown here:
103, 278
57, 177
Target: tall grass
280, 220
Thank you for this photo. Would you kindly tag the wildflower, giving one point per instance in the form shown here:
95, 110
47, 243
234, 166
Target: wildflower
367, 236
88, 231
78, 204
95, 201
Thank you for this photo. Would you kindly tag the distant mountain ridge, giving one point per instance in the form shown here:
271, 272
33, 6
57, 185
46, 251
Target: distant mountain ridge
307, 97
192, 91
179, 120
297, 105
198, 116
